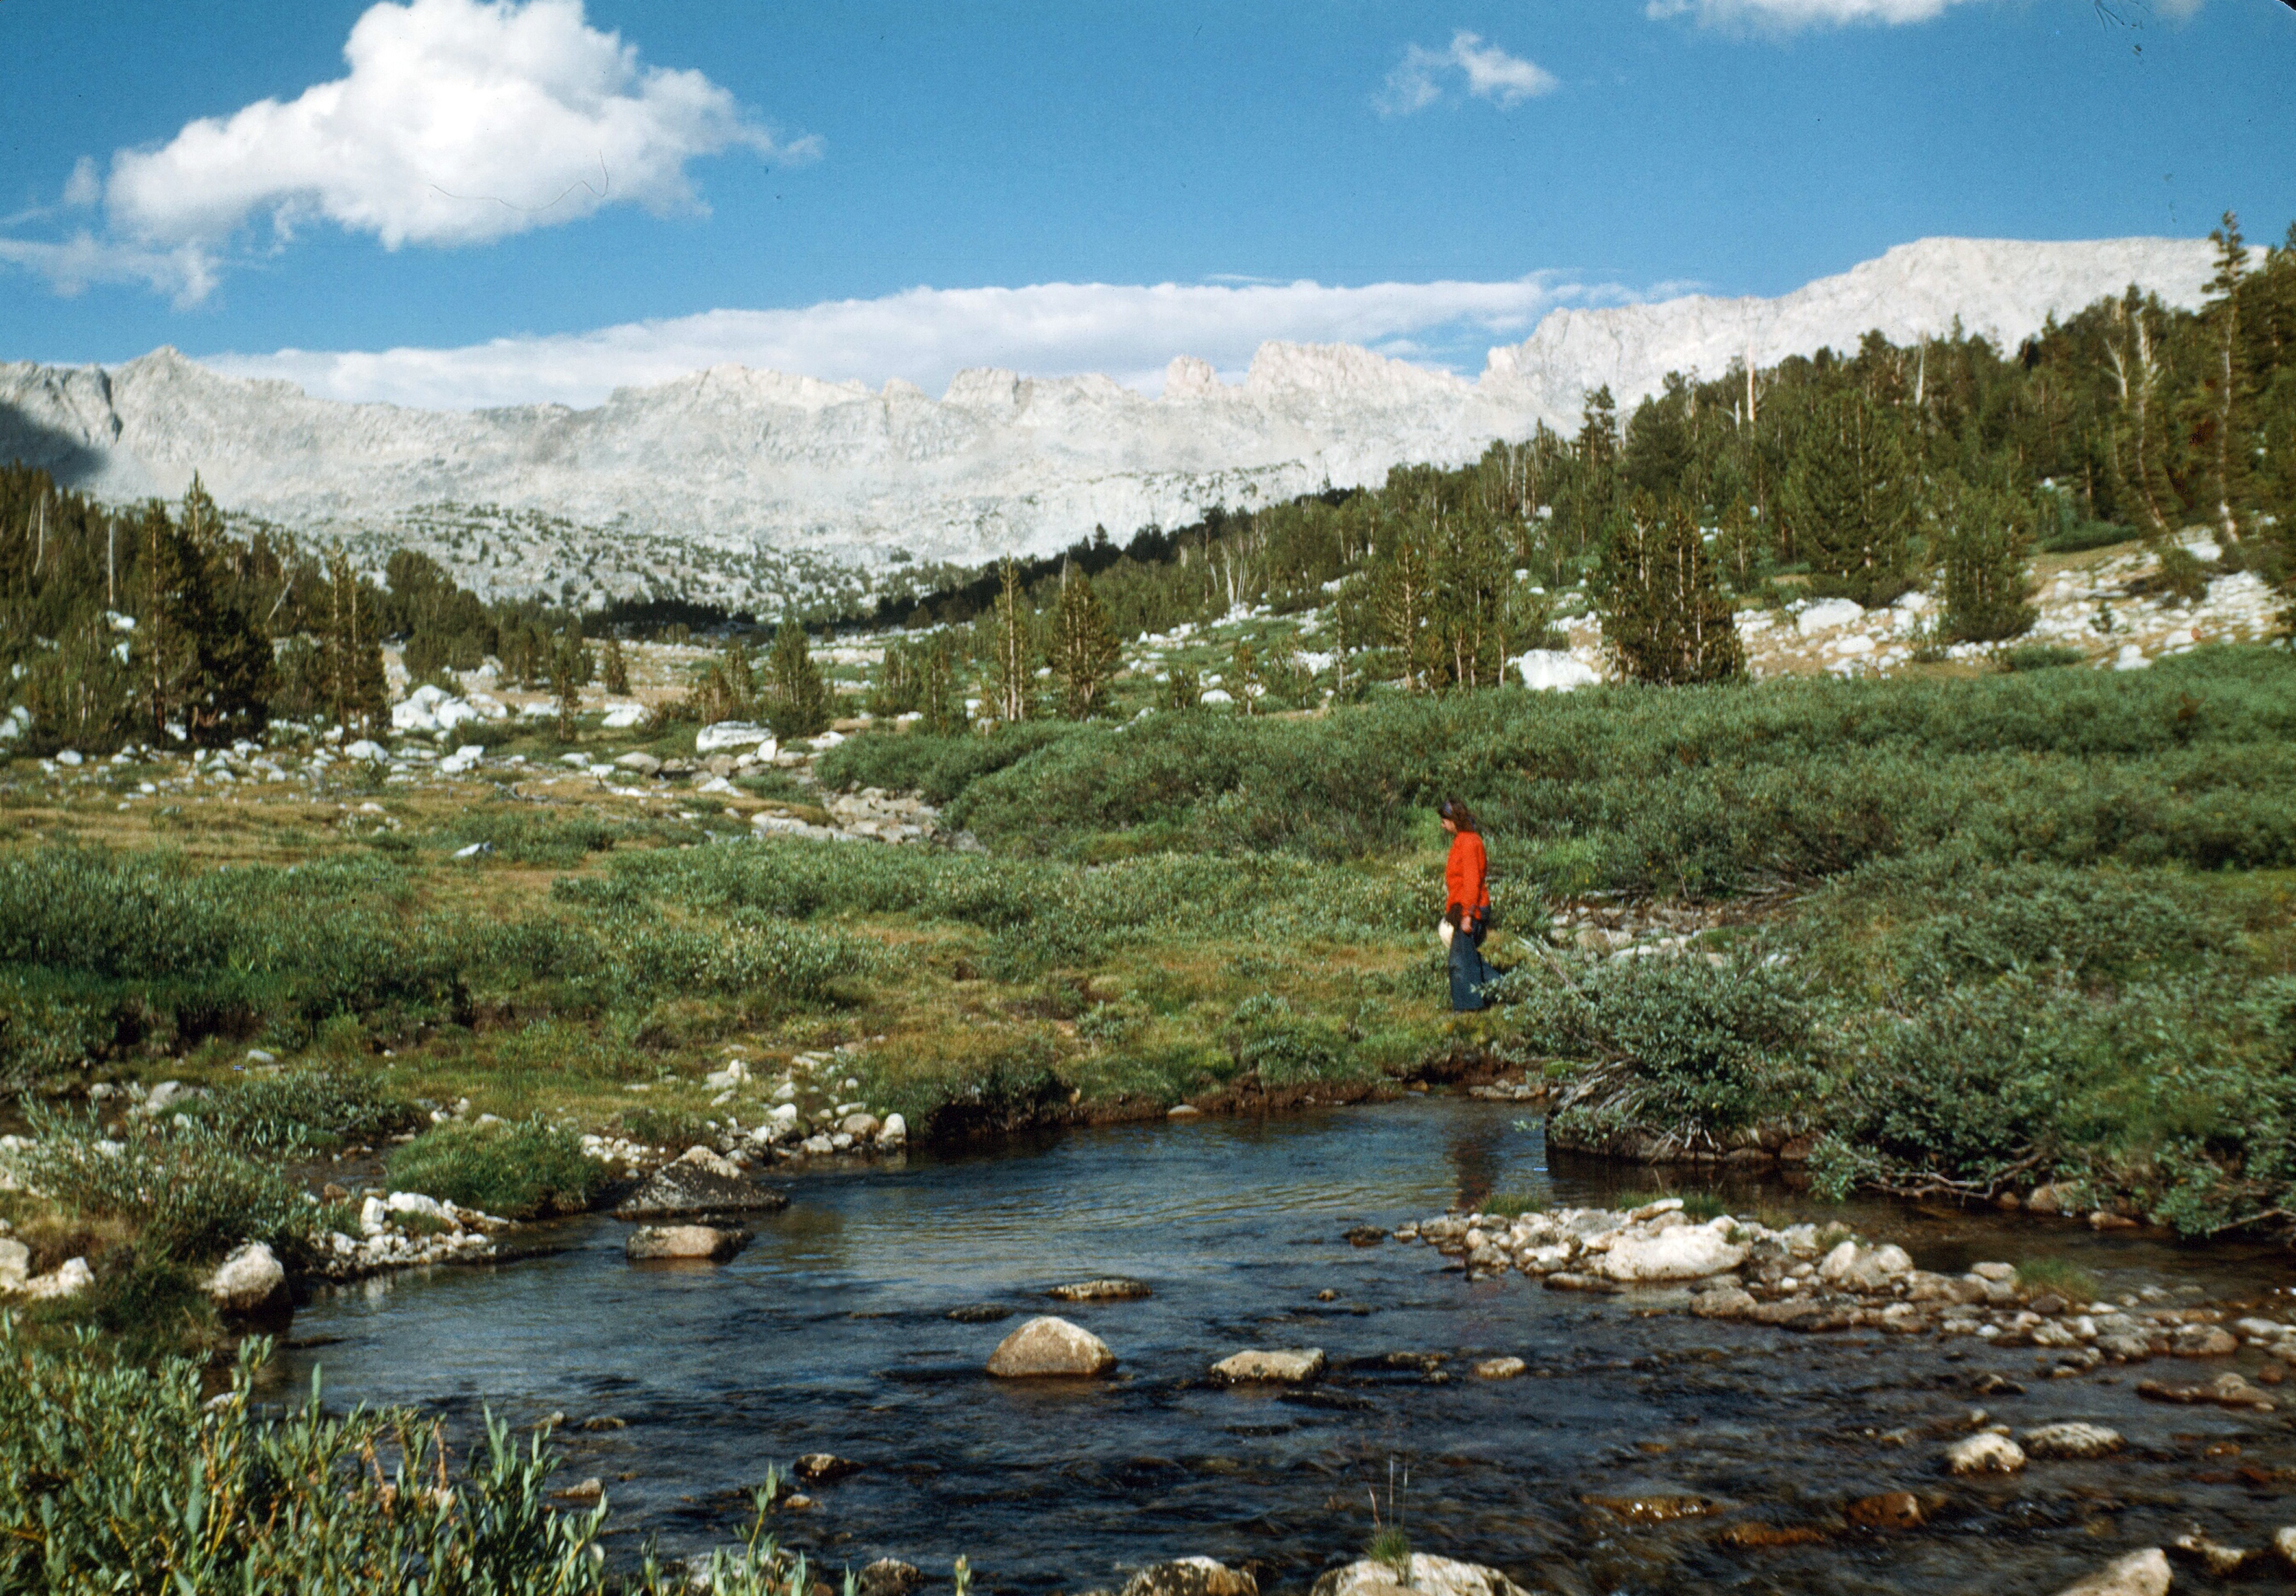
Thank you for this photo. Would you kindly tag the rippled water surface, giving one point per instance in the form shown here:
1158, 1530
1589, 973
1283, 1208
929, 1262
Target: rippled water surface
831, 1334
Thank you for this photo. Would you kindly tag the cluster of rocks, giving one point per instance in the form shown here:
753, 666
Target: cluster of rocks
68, 1278
871, 814
405, 1230
1802, 1278
712, 1193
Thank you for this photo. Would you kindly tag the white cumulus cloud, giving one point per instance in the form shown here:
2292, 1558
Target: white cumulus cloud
926, 335
459, 122
1488, 72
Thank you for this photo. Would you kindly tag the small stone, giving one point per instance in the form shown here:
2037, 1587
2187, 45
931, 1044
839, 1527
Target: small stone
1191, 1576
2000, 1274
1182, 1111
2284, 1541
2197, 1545
817, 1467
1985, 1454
1891, 1510
69, 1280
2104, 1219
2139, 1574
1113, 1289
1728, 1302
981, 1313
1292, 1366
589, 1491
890, 1576
2071, 1440
1499, 1368
653, 1242
1047, 1347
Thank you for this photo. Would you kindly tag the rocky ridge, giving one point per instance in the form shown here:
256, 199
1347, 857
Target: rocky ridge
692, 483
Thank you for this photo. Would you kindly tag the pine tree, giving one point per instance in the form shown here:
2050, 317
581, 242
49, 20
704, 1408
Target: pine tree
358, 691
1243, 681
1738, 547
797, 702
1403, 582
1010, 653
941, 695
1182, 690
618, 668
566, 686
1985, 538
1849, 494
1085, 650
1474, 585
1664, 617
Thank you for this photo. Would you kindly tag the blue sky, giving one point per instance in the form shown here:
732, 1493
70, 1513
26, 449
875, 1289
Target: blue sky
561, 211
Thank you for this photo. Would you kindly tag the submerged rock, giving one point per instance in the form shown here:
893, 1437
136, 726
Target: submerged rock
1499, 1368
1047, 1347
817, 1467
981, 1313
1891, 1510
652, 1242
1111, 1289
891, 1576
1292, 1366
1985, 1454
2071, 1440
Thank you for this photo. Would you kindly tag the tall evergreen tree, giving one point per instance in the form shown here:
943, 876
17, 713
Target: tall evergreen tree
1985, 545
798, 705
940, 693
1849, 494
1403, 593
2139, 442
1664, 617
1085, 650
359, 692
617, 668
1009, 651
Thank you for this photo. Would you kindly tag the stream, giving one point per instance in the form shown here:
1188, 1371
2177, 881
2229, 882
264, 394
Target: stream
831, 1334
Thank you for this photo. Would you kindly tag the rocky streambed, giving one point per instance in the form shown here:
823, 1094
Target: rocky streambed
1572, 1441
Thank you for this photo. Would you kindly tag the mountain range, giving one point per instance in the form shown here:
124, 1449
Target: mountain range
710, 484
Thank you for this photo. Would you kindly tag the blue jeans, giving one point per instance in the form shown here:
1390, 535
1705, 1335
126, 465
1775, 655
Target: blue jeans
1468, 972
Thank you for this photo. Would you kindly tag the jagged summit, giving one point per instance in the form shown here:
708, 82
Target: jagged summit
743, 460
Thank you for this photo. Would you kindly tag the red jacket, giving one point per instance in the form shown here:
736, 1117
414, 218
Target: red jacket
1465, 885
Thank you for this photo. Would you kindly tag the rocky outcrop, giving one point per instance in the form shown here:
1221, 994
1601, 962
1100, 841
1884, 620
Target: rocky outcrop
701, 1184
1191, 1576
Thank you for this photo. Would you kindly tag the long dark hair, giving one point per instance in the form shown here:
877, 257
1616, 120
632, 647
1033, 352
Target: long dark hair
1457, 813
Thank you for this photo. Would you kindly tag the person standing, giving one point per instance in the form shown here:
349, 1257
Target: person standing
1467, 906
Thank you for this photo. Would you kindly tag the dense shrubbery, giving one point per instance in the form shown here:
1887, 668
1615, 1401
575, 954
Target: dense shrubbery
1698, 790
1951, 1025
190, 1193
516, 1170
132, 1482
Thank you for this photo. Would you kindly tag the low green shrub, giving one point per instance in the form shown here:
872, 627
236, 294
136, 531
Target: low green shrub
2038, 656
301, 1112
517, 1169
2069, 1280
188, 1191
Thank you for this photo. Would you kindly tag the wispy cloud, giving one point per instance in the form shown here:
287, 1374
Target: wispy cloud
1787, 16
926, 335
1486, 71
460, 122
72, 265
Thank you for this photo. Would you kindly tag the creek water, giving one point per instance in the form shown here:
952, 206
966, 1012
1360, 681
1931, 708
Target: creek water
831, 1334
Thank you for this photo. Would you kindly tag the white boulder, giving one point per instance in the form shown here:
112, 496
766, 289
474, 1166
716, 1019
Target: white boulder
1684, 1252
249, 1280
2139, 1574
1827, 614
1555, 670
733, 734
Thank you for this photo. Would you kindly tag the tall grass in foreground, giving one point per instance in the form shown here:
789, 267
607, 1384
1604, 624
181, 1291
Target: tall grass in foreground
129, 1481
